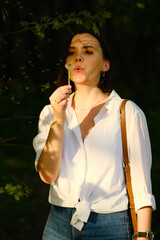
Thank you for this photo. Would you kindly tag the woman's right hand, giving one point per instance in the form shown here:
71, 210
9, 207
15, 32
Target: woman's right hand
59, 100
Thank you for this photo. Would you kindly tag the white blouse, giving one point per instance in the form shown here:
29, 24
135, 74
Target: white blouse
91, 176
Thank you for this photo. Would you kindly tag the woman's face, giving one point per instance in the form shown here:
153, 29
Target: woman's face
85, 56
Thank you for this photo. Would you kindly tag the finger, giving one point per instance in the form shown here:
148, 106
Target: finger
60, 93
64, 88
61, 97
63, 91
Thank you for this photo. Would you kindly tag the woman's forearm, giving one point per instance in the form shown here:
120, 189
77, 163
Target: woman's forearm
49, 162
144, 220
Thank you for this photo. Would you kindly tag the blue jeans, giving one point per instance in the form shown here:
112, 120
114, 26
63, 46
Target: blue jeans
112, 226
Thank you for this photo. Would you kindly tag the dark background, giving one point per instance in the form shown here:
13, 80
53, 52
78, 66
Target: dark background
28, 71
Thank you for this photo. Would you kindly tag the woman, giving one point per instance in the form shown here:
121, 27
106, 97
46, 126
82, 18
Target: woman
79, 151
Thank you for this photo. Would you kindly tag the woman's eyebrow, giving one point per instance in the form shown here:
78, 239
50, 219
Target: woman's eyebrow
85, 46
88, 46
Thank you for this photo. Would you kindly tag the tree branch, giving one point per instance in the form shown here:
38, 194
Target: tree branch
27, 29
16, 145
8, 139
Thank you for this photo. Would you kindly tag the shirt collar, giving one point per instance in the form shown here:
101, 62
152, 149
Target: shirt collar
113, 103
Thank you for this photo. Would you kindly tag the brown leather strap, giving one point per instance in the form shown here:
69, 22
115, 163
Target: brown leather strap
126, 165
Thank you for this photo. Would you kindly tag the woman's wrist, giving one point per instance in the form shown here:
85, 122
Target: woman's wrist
59, 119
144, 219
141, 238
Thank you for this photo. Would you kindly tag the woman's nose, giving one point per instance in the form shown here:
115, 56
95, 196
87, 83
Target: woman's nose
79, 58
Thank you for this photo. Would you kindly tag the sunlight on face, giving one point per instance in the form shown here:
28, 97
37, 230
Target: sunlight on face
86, 54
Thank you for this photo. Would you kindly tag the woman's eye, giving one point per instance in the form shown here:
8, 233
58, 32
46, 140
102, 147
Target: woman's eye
70, 53
88, 52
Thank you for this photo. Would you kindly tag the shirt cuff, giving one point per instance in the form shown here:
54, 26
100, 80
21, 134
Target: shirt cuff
38, 144
144, 201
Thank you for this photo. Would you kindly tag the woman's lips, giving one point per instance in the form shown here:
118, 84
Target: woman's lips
78, 69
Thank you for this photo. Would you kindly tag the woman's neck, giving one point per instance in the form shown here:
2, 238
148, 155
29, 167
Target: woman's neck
87, 97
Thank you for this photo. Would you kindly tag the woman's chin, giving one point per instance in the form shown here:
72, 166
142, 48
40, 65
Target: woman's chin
79, 79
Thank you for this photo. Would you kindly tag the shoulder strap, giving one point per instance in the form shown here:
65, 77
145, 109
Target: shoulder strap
126, 166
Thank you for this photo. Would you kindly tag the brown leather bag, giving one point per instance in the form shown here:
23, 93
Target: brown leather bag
126, 165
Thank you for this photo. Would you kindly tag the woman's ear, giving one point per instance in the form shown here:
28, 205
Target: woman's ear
106, 65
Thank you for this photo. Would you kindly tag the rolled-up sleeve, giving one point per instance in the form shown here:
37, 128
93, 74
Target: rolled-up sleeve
140, 157
45, 119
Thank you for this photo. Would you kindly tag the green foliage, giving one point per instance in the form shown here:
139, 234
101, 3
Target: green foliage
17, 191
4, 13
141, 5
83, 18
45, 86
38, 30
